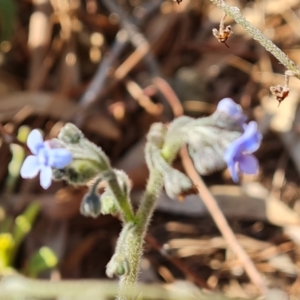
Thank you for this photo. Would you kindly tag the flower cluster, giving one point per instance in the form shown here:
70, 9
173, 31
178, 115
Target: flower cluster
214, 141
238, 155
44, 158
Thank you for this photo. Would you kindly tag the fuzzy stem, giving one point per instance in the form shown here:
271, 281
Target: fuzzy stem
134, 248
235, 13
119, 264
122, 198
146, 208
135, 238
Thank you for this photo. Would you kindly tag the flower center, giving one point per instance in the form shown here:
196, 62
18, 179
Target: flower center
43, 157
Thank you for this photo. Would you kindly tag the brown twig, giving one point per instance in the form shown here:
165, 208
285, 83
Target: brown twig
170, 96
279, 175
176, 261
144, 101
221, 222
129, 32
48, 62
38, 39
98, 82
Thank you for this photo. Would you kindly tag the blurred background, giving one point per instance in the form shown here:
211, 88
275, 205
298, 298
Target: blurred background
113, 68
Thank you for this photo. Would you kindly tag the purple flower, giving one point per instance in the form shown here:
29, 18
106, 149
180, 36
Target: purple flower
44, 158
229, 107
238, 154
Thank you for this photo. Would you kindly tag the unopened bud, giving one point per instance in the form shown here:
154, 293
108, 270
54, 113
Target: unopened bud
157, 134
78, 172
70, 134
90, 205
109, 203
177, 184
118, 265
123, 181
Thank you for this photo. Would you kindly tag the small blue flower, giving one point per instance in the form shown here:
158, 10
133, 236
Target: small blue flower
238, 154
229, 107
44, 158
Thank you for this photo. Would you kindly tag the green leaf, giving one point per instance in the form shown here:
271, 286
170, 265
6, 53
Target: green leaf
42, 260
24, 222
7, 19
18, 155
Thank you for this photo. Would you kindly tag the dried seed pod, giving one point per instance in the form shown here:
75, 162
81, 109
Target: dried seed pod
280, 92
223, 34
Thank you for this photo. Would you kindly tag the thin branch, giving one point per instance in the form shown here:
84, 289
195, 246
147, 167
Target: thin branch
217, 215
234, 12
176, 261
98, 81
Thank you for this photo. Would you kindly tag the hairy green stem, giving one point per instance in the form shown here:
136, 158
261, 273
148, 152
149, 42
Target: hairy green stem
134, 248
135, 237
119, 264
145, 211
235, 13
122, 198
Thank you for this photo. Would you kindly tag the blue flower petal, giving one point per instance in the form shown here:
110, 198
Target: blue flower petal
228, 106
248, 164
35, 141
59, 157
30, 167
238, 154
45, 177
232, 151
251, 138
232, 167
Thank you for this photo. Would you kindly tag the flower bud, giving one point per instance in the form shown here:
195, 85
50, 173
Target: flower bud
157, 134
123, 181
108, 203
175, 137
177, 184
70, 134
232, 110
118, 265
79, 172
90, 205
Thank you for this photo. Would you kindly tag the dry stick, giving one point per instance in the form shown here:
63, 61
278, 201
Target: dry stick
176, 261
170, 96
235, 13
218, 217
144, 101
279, 175
98, 82
139, 41
68, 70
93, 93
48, 62
38, 39
98, 88
136, 36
